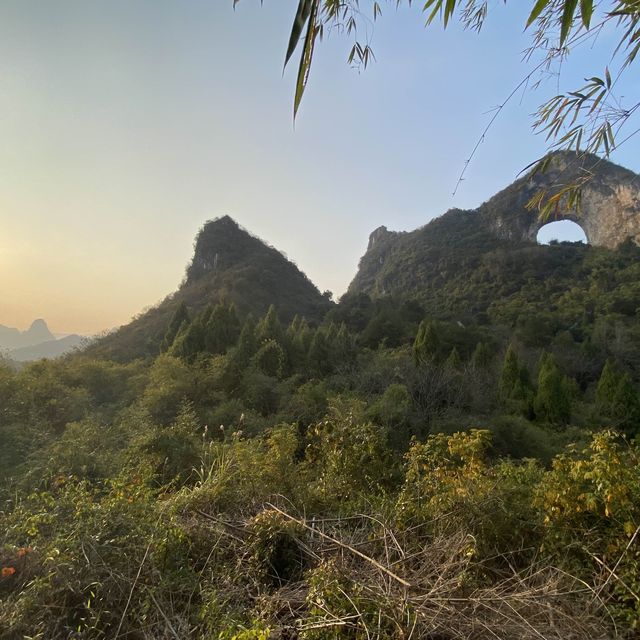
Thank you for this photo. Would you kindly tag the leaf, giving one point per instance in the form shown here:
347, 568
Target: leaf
301, 18
448, 10
306, 57
538, 8
567, 19
586, 11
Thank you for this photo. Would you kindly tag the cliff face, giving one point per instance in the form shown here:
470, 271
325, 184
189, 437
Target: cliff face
228, 264
610, 210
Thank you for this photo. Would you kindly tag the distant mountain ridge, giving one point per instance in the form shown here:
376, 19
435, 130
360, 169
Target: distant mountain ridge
48, 349
38, 332
229, 264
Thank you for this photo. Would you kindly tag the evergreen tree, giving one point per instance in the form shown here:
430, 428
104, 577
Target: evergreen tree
318, 357
626, 405
294, 327
481, 357
299, 344
240, 357
427, 342
606, 389
189, 342
510, 377
270, 328
222, 329
453, 362
178, 322
270, 359
247, 342
345, 346
206, 314
552, 401
417, 343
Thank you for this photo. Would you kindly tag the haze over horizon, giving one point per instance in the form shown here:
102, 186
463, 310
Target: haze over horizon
126, 126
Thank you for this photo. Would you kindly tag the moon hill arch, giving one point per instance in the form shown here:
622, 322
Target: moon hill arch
610, 212
467, 246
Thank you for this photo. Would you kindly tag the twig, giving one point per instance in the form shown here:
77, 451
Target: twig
375, 563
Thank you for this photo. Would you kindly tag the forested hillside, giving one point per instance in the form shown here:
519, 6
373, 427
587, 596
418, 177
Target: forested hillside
228, 264
449, 452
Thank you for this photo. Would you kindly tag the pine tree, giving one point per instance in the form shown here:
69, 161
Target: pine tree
606, 389
247, 342
481, 357
345, 346
178, 322
626, 405
427, 342
293, 328
552, 401
239, 358
270, 359
189, 342
222, 329
453, 362
510, 376
318, 357
269, 328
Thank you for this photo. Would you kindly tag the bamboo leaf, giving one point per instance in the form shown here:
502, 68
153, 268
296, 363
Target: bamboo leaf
586, 11
567, 19
301, 18
538, 8
306, 57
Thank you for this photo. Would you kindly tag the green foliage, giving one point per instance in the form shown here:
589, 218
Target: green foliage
143, 493
591, 505
350, 459
270, 359
178, 323
426, 344
553, 397
482, 356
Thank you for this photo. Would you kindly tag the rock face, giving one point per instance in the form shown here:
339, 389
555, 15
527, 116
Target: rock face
610, 209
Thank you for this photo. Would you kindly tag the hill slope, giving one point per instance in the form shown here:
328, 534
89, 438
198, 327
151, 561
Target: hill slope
466, 262
228, 264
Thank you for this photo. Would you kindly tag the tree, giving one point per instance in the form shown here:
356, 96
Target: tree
626, 405
453, 362
589, 119
606, 389
222, 329
552, 401
427, 342
179, 321
481, 357
270, 359
270, 328
510, 375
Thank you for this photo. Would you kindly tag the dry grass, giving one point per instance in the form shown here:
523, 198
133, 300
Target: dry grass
366, 579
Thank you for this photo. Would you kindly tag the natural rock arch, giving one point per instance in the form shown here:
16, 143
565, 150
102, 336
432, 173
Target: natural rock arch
561, 231
610, 211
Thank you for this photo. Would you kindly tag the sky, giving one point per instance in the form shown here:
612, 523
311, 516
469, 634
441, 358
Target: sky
126, 124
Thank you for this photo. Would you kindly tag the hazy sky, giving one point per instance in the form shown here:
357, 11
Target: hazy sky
126, 124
